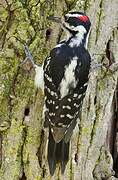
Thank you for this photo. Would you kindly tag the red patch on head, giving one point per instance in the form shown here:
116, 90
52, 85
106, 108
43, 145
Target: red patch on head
83, 18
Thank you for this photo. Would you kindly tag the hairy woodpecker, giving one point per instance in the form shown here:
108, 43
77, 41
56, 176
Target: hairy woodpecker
65, 75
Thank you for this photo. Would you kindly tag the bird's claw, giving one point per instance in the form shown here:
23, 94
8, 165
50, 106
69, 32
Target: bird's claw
28, 62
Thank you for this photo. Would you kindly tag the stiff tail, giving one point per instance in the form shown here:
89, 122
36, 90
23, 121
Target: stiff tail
57, 152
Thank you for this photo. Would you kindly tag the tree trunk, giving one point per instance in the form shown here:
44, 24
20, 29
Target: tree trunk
23, 140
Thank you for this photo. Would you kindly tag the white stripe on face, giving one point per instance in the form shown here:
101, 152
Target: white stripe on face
73, 15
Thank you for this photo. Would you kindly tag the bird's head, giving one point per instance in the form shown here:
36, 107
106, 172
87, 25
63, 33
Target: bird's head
74, 22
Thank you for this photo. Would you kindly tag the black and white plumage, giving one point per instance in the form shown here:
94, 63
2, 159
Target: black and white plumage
65, 74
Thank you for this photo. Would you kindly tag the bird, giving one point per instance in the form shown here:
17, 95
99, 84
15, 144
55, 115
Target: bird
64, 78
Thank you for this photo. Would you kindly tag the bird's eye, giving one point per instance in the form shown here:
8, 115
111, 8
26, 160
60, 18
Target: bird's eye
66, 18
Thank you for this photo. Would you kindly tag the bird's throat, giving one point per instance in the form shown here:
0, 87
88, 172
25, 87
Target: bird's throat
78, 39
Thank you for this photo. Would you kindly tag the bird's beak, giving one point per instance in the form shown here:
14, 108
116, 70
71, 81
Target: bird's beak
55, 19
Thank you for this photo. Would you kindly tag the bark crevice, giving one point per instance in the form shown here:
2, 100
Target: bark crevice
115, 135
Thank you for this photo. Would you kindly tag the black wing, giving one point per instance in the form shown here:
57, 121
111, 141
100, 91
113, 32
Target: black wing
61, 113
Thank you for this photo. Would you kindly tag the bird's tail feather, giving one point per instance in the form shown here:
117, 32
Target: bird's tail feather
57, 152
